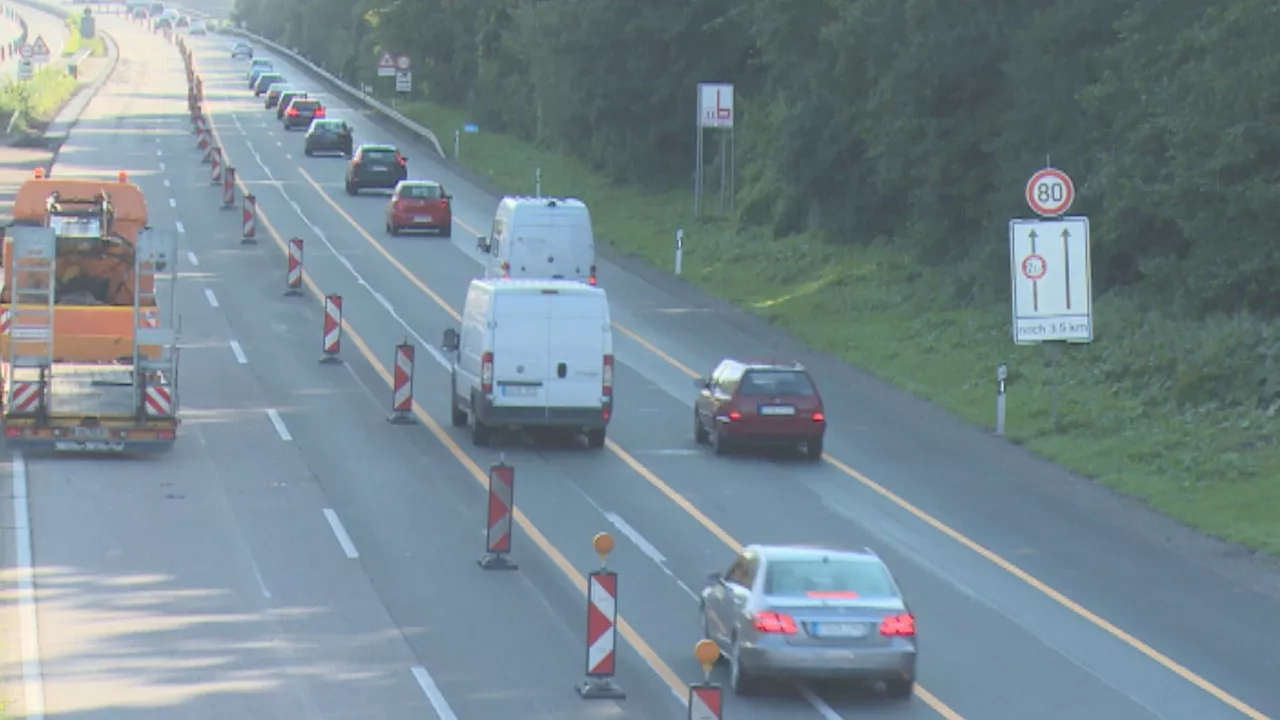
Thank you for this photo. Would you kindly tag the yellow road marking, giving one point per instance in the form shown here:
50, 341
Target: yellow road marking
625, 628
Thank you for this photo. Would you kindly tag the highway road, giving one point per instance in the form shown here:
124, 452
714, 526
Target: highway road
1040, 595
296, 556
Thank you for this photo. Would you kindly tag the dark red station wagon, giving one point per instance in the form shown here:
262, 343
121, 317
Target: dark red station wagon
759, 403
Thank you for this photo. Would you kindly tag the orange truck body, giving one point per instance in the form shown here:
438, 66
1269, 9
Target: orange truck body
88, 333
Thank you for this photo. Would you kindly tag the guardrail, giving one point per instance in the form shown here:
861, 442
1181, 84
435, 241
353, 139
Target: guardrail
381, 108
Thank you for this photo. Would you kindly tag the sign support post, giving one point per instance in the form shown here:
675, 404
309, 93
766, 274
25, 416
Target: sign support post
715, 112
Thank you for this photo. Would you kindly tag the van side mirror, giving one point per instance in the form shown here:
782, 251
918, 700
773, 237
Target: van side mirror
482, 243
450, 343
702, 383
715, 578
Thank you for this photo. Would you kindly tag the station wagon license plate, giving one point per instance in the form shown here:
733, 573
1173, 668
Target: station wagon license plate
421, 219
776, 410
519, 390
853, 630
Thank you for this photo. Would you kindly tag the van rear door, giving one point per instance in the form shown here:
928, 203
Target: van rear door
522, 327
578, 326
576, 245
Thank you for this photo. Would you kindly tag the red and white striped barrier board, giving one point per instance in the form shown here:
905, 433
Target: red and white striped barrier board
215, 175
332, 343
497, 536
402, 387
249, 219
159, 401
205, 143
293, 281
602, 637
199, 88
27, 396
706, 702
229, 189
150, 318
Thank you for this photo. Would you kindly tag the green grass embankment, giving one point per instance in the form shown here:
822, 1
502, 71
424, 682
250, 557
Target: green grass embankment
76, 42
1122, 409
37, 101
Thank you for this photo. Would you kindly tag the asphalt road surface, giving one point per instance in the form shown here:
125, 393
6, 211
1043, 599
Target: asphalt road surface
1038, 595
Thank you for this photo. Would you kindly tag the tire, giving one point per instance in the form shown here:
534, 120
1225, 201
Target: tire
457, 416
813, 448
700, 434
740, 681
392, 230
447, 231
899, 689
309, 152
719, 444
595, 439
480, 433
352, 188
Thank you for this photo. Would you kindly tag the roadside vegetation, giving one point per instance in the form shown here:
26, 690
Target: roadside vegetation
35, 102
882, 147
76, 42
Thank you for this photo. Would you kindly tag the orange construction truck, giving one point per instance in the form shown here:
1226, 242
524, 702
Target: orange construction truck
88, 347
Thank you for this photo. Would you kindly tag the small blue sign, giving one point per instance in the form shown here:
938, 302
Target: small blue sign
471, 129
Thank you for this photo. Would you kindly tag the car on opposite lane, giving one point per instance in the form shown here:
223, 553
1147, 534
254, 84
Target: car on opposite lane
301, 112
242, 51
376, 166
285, 98
265, 81
329, 135
257, 65
752, 403
811, 613
420, 205
198, 27
272, 96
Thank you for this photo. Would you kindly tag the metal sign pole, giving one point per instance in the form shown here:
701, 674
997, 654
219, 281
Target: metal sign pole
1002, 375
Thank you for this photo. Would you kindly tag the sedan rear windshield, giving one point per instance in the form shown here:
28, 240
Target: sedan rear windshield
422, 192
384, 156
832, 579
305, 105
774, 383
336, 126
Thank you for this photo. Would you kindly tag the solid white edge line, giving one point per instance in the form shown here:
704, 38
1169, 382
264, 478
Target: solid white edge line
432, 691
195, 261
279, 423
239, 351
213, 299
29, 626
340, 532
181, 228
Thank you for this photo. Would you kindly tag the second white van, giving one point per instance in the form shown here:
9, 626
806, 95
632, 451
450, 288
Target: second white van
532, 353
541, 238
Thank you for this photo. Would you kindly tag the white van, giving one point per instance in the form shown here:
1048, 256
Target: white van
541, 238
532, 353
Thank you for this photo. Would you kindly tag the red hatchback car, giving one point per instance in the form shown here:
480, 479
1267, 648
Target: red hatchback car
759, 403
420, 205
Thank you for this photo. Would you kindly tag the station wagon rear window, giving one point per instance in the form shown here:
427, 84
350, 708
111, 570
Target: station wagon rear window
776, 383
830, 579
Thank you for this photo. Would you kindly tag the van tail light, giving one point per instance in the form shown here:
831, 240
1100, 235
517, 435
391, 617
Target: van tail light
506, 271
735, 416
486, 373
293, 112
903, 625
592, 278
772, 622
608, 376
819, 417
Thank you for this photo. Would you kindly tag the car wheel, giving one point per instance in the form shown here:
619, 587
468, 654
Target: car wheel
700, 434
392, 229
739, 680
899, 689
447, 231
352, 189
813, 448
595, 439
309, 152
479, 431
458, 416
719, 443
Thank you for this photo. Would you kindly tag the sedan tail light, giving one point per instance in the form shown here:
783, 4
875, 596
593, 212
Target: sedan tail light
735, 416
903, 625
779, 623
319, 112
293, 112
819, 417
402, 161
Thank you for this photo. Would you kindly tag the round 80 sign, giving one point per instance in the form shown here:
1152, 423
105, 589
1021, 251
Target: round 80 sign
1050, 193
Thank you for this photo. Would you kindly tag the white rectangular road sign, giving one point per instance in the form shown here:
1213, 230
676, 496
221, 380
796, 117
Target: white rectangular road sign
26, 68
715, 105
404, 81
1052, 280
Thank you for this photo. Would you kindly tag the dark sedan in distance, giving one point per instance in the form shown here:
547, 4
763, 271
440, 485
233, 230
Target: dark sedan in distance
287, 97
329, 135
301, 112
376, 166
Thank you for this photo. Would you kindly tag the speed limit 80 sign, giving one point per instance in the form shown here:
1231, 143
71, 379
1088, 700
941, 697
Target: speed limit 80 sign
1050, 193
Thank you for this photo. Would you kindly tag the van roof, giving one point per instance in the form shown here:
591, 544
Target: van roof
549, 202
536, 285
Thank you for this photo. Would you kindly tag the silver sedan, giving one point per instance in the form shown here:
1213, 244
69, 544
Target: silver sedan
808, 612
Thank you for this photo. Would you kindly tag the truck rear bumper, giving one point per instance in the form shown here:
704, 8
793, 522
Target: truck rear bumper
47, 440
587, 418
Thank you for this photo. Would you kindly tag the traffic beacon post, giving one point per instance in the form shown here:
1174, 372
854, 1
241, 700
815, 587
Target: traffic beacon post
293, 280
497, 535
706, 700
602, 627
1002, 376
331, 345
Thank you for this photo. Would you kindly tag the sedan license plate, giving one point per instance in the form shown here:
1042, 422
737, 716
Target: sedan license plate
519, 390
777, 410
853, 630
378, 168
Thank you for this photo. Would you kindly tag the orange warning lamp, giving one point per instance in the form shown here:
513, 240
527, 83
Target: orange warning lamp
123, 177
603, 544
707, 653
39, 173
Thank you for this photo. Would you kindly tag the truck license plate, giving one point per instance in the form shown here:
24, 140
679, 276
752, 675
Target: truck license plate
90, 433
